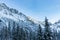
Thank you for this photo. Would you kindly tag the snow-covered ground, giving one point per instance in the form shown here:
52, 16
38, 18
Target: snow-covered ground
12, 15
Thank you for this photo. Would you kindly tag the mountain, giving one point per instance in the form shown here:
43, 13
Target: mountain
56, 26
13, 18
12, 15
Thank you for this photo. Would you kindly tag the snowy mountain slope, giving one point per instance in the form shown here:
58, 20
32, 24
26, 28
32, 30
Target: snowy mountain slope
56, 26
12, 15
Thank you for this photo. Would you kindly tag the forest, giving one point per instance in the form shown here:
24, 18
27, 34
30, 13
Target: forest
18, 33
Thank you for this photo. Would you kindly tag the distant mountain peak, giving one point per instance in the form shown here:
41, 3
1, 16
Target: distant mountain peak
3, 5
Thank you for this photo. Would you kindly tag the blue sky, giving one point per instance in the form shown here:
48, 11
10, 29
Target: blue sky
37, 9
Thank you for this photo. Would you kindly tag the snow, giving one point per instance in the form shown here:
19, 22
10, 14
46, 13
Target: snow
7, 16
22, 19
25, 22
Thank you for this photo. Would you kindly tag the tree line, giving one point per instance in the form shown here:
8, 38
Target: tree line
19, 33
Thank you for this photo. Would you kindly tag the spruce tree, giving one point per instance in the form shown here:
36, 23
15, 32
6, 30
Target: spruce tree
2, 33
5, 33
30, 35
9, 31
47, 34
39, 35
18, 34
22, 33
14, 32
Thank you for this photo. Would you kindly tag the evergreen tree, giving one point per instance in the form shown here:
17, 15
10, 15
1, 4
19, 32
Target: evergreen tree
47, 34
9, 31
30, 35
14, 32
21, 33
5, 33
18, 32
2, 33
24, 34
39, 34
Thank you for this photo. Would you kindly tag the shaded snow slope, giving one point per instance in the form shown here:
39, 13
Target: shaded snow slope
12, 15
